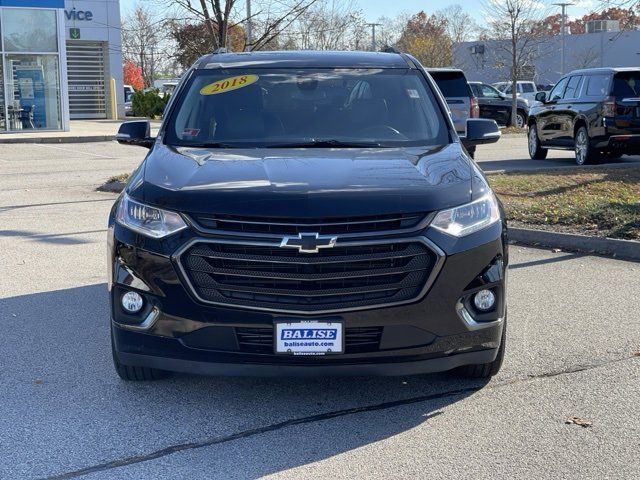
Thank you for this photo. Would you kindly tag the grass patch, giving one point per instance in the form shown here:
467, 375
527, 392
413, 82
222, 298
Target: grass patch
513, 131
123, 177
602, 202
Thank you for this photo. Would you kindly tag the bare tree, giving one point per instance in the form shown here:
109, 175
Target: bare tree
460, 25
327, 25
268, 18
513, 24
586, 58
142, 42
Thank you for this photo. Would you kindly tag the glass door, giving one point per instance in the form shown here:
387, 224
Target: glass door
3, 104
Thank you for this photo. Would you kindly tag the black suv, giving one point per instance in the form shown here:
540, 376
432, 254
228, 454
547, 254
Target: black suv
497, 106
595, 112
307, 213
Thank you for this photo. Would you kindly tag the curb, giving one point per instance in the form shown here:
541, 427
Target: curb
79, 139
561, 168
612, 247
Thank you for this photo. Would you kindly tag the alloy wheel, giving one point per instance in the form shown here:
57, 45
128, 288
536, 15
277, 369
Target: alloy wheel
533, 140
582, 145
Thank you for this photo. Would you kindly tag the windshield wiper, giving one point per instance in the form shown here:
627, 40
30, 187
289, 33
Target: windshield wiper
323, 143
213, 145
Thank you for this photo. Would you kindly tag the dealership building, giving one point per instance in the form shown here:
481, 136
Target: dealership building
60, 60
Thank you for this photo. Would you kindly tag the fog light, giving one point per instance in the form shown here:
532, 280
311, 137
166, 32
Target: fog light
132, 302
484, 300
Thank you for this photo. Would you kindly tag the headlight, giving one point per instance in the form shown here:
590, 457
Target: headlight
150, 221
469, 218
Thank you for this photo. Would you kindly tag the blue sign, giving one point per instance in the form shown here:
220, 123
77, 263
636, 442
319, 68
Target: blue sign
33, 3
32, 94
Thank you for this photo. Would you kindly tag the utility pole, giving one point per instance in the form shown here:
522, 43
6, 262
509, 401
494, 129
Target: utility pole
373, 34
564, 6
248, 27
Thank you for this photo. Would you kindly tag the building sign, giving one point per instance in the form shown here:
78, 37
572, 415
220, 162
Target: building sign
79, 15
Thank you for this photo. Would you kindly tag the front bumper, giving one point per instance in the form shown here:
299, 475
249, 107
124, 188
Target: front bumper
178, 332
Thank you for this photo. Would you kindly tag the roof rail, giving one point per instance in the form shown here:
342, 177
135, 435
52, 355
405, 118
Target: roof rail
389, 49
220, 50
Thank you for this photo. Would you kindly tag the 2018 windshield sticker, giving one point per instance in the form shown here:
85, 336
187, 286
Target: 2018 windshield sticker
228, 84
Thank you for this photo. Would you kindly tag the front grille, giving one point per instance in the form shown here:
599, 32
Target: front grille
281, 279
289, 226
356, 340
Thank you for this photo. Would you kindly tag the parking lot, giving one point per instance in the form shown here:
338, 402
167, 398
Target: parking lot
573, 351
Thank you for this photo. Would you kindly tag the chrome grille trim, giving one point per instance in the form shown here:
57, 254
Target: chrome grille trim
419, 226
435, 270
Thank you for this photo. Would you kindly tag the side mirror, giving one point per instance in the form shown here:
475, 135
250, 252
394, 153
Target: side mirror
502, 96
137, 132
481, 131
541, 97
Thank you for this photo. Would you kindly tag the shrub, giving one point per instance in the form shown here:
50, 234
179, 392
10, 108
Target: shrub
148, 103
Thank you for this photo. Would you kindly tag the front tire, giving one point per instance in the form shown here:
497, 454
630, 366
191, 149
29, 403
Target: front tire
521, 119
536, 152
135, 374
487, 370
585, 153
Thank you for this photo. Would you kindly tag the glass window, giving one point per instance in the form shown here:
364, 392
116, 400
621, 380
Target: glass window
573, 87
3, 112
489, 91
30, 30
528, 88
598, 86
288, 107
451, 84
33, 92
626, 84
558, 90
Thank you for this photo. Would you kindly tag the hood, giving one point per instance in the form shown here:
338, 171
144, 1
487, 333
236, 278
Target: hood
302, 183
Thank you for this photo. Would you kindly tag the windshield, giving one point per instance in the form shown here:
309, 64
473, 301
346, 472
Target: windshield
308, 107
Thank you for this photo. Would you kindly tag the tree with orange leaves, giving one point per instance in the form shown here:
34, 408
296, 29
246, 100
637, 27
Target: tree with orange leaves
132, 74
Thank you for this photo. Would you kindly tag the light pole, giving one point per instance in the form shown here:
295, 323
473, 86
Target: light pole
248, 27
564, 6
373, 34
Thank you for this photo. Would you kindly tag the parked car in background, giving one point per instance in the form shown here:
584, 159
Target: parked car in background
525, 90
460, 99
595, 112
307, 213
167, 88
497, 106
128, 97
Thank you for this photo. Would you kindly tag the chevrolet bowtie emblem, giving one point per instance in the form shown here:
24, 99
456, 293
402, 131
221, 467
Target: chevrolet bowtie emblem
309, 242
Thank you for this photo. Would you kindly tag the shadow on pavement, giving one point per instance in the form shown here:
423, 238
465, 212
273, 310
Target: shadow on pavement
64, 409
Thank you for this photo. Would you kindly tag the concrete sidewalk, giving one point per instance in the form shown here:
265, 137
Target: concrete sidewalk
80, 131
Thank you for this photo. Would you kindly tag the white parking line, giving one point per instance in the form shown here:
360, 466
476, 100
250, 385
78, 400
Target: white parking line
71, 150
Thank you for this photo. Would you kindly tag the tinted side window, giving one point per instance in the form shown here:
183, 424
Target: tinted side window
573, 87
598, 86
558, 90
476, 90
452, 84
626, 84
527, 88
488, 91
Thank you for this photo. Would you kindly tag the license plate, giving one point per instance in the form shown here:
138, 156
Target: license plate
309, 338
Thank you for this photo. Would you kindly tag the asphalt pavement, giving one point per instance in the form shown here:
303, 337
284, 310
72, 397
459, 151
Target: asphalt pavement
573, 346
510, 154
